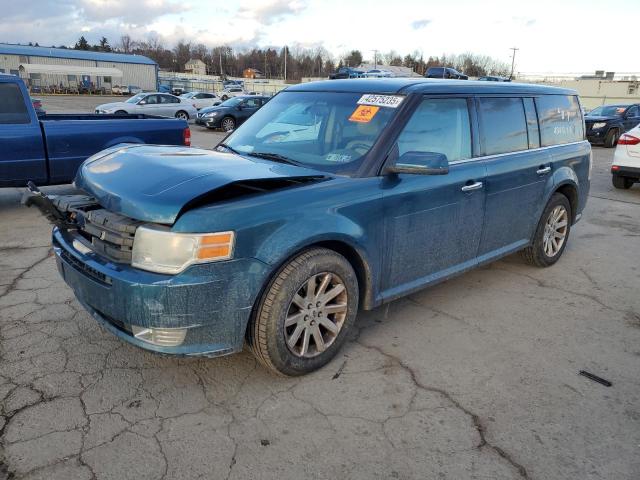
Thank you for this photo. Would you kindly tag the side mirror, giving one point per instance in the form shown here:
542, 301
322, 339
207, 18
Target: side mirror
420, 163
142, 102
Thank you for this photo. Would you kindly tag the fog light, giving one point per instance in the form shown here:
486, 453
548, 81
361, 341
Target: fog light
163, 337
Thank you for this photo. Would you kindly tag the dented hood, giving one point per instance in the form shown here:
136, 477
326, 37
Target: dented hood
153, 183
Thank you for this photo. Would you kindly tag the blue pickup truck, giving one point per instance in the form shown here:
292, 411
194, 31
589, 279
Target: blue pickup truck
48, 149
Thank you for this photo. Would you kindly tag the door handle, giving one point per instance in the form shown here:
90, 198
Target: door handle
472, 187
543, 170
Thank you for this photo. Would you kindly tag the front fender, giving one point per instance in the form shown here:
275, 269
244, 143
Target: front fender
290, 239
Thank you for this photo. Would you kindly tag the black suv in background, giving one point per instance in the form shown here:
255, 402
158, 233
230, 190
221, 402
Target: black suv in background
445, 72
606, 123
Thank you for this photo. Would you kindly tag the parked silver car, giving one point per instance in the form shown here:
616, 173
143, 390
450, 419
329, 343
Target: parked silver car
162, 104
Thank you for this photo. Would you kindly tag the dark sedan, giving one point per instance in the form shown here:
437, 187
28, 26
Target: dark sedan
231, 113
606, 123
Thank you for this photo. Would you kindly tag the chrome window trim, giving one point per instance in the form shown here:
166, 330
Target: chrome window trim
498, 155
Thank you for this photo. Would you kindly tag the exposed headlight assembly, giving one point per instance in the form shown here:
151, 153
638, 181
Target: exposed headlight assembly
164, 251
599, 124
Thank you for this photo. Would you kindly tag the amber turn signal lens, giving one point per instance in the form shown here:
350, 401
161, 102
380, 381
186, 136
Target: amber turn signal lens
218, 246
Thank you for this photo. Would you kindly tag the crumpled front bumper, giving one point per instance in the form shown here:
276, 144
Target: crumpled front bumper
212, 301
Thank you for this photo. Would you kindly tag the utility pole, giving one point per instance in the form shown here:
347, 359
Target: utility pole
220, 53
285, 63
375, 59
513, 61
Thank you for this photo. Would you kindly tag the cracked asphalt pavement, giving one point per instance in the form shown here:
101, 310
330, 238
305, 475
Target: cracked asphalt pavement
474, 378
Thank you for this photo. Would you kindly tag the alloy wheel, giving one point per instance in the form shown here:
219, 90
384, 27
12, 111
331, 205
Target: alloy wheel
555, 231
316, 315
228, 124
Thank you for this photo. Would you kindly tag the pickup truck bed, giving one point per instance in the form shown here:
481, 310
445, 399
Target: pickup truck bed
49, 149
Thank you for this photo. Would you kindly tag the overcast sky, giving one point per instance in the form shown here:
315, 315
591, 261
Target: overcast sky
553, 36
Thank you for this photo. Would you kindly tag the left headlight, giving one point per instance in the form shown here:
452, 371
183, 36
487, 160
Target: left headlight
164, 251
599, 124
211, 114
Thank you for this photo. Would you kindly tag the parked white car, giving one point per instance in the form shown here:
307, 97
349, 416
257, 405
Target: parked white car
625, 169
229, 92
125, 90
378, 73
202, 99
162, 104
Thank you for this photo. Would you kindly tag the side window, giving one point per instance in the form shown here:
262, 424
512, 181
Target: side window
560, 119
440, 126
532, 122
151, 99
632, 111
252, 103
503, 127
13, 109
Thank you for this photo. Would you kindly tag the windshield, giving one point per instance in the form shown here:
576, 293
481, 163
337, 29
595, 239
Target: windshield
327, 131
136, 98
607, 111
232, 102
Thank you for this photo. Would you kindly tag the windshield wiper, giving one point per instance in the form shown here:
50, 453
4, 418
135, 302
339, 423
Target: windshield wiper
231, 149
276, 157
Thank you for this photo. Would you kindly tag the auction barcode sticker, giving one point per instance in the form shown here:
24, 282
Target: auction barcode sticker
391, 101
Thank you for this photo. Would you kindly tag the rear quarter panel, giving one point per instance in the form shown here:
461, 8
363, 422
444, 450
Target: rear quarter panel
570, 167
70, 142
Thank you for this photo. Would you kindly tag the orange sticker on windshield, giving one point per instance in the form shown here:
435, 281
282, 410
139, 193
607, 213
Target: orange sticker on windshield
363, 114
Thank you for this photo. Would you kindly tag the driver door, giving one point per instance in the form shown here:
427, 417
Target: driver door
433, 222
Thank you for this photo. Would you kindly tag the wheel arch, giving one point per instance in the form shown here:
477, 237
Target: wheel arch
570, 191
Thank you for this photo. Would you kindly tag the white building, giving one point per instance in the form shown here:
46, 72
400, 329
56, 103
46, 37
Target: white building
196, 67
44, 67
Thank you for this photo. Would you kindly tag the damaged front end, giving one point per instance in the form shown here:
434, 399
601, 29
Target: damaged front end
200, 311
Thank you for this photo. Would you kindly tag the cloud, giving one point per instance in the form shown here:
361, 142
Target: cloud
267, 12
143, 13
420, 24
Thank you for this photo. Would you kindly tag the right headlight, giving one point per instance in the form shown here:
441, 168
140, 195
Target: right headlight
599, 124
211, 114
164, 251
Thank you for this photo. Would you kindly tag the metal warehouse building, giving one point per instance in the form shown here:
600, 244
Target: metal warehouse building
67, 70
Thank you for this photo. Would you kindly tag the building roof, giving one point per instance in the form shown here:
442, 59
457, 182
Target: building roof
427, 85
10, 49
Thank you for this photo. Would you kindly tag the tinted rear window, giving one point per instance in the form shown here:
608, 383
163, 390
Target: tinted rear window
13, 108
560, 119
503, 126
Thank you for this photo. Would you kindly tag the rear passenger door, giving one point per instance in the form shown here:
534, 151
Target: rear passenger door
433, 222
516, 172
22, 155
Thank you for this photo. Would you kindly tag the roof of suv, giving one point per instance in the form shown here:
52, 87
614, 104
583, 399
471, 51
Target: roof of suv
426, 85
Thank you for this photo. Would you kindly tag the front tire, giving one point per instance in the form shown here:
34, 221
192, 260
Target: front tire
611, 139
305, 313
552, 233
623, 183
121, 112
228, 124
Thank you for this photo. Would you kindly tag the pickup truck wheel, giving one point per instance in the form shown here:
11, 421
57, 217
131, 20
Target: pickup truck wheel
611, 138
228, 124
121, 112
552, 233
182, 115
305, 313
621, 182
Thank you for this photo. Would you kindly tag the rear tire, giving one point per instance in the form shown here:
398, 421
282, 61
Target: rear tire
305, 313
611, 139
623, 183
182, 115
552, 233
